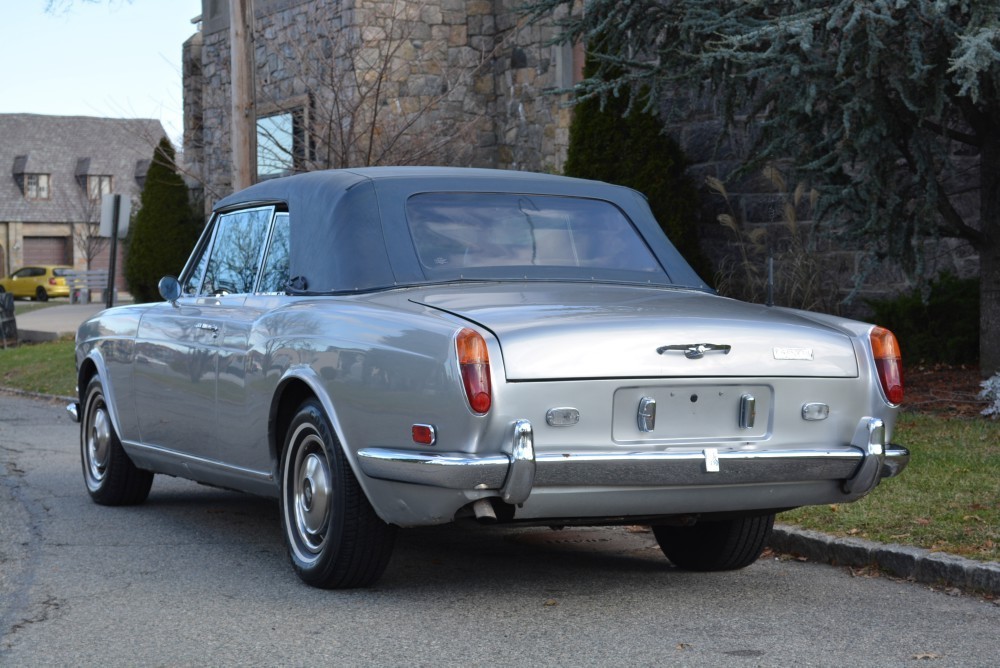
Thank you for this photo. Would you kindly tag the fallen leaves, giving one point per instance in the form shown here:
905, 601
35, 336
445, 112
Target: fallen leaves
865, 572
926, 656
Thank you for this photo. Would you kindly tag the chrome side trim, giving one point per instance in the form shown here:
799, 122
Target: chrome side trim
144, 450
74, 411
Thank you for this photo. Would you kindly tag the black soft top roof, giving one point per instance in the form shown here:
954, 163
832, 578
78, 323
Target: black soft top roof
349, 232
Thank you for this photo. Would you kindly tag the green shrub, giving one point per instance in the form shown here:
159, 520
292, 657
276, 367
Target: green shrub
164, 230
632, 150
943, 327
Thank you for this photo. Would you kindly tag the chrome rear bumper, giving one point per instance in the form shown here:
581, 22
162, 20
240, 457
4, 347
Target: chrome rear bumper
860, 465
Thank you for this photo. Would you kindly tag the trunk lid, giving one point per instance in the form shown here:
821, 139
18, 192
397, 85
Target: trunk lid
560, 331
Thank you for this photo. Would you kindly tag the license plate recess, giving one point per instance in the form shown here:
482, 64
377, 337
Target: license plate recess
693, 413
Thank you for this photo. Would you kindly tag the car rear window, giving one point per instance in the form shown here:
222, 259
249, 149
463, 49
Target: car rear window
61, 272
482, 235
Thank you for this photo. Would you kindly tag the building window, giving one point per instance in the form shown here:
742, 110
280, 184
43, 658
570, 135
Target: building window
36, 186
98, 186
280, 144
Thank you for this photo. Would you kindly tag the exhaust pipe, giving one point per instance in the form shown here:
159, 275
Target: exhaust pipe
484, 512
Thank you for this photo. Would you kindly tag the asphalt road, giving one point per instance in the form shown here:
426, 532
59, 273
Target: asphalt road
198, 576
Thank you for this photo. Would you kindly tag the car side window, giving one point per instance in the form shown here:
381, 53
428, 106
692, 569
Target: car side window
193, 280
274, 274
22, 273
235, 255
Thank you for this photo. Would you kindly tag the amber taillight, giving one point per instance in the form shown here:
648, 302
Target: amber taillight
474, 363
889, 363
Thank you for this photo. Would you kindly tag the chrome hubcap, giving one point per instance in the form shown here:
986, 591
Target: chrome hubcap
98, 444
311, 493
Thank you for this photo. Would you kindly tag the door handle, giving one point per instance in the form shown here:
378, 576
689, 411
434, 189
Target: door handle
208, 327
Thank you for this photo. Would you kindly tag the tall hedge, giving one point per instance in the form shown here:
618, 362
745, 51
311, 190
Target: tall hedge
632, 150
164, 230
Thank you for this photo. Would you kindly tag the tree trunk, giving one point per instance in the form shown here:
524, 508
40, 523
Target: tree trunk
243, 134
989, 259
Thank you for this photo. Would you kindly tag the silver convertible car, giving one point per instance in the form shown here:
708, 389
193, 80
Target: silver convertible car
395, 347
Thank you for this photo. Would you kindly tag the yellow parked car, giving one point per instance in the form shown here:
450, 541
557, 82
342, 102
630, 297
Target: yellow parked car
38, 283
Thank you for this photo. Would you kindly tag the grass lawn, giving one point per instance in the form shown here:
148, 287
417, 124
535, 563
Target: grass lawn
21, 306
948, 499
48, 368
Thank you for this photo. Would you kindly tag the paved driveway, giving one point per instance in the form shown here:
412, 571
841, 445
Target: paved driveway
199, 576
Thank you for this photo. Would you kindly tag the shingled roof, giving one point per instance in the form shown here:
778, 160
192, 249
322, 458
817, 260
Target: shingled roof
69, 148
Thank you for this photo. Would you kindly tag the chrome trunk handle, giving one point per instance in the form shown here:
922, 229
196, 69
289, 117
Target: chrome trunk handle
694, 351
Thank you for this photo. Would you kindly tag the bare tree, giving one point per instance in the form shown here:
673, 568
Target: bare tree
364, 89
86, 228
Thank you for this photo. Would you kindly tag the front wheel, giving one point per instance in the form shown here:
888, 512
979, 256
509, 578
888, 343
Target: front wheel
111, 477
335, 539
724, 545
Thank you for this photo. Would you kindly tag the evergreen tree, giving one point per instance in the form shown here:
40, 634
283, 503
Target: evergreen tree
611, 143
164, 230
880, 105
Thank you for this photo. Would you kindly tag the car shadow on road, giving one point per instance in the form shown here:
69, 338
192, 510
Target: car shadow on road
463, 550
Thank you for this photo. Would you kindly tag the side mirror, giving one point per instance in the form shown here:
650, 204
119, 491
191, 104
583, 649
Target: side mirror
170, 289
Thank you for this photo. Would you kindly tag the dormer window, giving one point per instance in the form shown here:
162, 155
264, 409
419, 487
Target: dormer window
36, 186
98, 185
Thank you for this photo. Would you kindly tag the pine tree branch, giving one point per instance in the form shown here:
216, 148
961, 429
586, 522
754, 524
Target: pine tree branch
963, 137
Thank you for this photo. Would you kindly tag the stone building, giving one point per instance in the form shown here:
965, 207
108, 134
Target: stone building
359, 82
468, 82
60, 167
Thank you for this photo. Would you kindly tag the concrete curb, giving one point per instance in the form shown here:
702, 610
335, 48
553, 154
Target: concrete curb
911, 563
54, 398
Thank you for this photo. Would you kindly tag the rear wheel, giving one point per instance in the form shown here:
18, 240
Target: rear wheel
335, 539
715, 546
41, 295
111, 477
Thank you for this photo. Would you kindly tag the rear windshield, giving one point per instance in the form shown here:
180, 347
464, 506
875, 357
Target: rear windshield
61, 272
503, 235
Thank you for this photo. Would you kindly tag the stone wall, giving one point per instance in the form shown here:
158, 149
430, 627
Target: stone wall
468, 82
532, 123
460, 82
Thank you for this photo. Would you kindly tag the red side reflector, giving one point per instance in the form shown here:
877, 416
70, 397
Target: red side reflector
424, 434
889, 363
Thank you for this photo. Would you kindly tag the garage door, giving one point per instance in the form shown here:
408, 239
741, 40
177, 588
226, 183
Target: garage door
46, 250
101, 261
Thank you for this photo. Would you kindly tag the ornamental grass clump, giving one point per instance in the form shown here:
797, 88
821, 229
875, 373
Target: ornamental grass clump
991, 393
